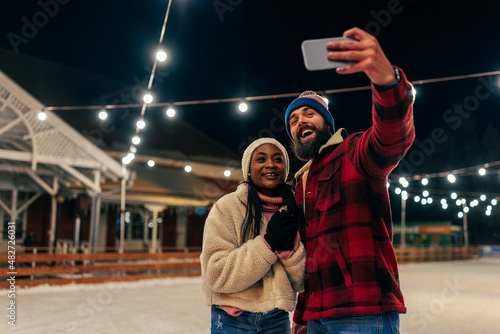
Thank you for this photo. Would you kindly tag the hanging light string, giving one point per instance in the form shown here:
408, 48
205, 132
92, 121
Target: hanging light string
465, 200
141, 122
259, 97
461, 171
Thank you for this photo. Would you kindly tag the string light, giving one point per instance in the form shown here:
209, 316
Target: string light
482, 197
425, 181
148, 98
227, 173
161, 55
42, 115
243, 107
170, 112
404, 182
136, 140
103, 115
451, 178
141, 124
151, 163
453, 195
188, 168
482, 171
273, 96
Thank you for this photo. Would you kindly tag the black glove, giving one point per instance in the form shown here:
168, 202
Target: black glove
281, 231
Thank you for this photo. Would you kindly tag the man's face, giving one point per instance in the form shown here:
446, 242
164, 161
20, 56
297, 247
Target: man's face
309, 130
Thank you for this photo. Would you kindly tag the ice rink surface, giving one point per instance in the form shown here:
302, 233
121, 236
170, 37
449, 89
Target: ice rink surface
441, 297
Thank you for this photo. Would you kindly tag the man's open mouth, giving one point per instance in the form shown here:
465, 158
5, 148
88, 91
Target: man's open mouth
306, 133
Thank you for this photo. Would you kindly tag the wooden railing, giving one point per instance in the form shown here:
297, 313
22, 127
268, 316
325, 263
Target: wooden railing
412, 255
54, 269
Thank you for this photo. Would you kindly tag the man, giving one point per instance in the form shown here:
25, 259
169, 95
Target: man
352, 274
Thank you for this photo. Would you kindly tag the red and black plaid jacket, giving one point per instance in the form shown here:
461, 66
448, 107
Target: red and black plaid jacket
351, 264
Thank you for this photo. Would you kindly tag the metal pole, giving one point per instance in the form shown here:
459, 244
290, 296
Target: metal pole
95, 211
145, 237
53, 216
13, 207
154, 238
403, 221
466, 232
94, 222
77, 231
122, 216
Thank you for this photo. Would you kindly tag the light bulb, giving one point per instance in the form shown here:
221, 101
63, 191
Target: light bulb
141, 124
136, 140
148, 98
243, 107
161, 55
170, 112
42, 116
103, 115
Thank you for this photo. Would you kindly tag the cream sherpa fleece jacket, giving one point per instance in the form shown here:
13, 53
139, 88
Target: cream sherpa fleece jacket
248, 276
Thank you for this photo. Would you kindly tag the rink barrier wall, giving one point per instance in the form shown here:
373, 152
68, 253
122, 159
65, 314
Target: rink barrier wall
413, 255
32, 269
56, 269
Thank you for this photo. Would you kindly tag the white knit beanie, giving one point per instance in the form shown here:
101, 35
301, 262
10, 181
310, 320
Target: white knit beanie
247, 155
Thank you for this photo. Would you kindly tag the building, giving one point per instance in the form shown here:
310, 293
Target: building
69, 187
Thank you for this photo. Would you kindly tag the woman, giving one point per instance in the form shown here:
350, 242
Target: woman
252, 262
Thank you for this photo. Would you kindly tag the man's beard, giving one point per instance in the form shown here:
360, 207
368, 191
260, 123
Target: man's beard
306, 151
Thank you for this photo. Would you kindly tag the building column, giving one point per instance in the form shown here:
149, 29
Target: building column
154, 239
181, 227
95, 218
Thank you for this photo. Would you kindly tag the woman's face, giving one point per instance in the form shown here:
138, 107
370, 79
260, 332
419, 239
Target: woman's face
267, 169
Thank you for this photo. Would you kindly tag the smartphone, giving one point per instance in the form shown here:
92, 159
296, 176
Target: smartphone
315, 54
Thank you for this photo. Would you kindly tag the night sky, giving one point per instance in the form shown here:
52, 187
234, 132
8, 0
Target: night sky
238, 48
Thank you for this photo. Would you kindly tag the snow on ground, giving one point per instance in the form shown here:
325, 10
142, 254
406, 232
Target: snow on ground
446, 297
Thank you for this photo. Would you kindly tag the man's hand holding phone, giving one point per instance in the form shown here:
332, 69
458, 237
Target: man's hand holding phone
360, 50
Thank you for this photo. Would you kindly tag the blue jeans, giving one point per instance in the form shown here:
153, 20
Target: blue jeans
383, 323
273, 322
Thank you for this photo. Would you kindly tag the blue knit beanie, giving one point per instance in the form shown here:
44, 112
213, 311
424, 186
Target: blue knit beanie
311, 100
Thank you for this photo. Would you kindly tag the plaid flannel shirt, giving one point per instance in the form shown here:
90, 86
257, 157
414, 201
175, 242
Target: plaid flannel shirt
351, 264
